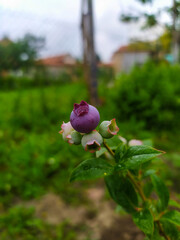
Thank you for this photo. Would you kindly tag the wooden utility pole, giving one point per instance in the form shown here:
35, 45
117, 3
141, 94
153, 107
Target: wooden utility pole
89, 55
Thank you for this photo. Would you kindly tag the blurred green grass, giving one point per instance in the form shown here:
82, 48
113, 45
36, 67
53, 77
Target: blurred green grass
34, 157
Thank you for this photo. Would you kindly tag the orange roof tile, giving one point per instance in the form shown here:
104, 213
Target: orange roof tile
128, 49
56, 61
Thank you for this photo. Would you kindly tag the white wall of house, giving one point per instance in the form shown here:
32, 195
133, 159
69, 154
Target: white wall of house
134, 58
123, 62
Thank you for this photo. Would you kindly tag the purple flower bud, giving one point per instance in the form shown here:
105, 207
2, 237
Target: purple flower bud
92, 141
108, 128
66, 130
84, 117
135, 142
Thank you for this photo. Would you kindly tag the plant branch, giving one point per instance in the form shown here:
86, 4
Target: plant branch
162, 231
108, 148
139, 190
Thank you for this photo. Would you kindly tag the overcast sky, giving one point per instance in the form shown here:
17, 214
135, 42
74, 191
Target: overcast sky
59, 20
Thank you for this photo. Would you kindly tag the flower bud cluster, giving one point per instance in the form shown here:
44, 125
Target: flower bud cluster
81, 129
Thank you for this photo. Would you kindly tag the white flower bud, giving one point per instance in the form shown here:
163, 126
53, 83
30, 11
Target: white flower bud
92, 141
108, 129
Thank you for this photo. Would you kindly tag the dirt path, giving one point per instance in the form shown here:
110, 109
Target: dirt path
98, 217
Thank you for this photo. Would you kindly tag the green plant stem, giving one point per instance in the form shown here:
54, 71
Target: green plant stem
130, 176
137, 186
162, 231
108, 148
139, 190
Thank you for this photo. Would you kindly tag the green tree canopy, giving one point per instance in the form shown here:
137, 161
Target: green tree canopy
20, 54
154, 18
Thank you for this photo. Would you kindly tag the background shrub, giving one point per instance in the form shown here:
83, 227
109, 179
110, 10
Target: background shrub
149, 95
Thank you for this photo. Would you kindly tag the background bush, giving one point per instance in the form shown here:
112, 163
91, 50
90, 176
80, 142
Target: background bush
150, 96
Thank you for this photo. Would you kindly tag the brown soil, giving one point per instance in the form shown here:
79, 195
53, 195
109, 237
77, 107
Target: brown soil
99, 217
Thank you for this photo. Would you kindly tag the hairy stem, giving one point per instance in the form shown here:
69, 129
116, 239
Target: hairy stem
139, 190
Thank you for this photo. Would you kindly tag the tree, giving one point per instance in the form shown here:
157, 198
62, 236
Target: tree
20, 54
89, 55
152, 20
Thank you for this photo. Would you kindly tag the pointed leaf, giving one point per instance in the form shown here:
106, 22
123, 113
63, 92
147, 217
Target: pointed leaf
120, 151
101, 152
147, 189
144, 220
173, 217
161, 191
170, 230
90, 169
156, 234
122, 192
173, 203
148, 173
137, 155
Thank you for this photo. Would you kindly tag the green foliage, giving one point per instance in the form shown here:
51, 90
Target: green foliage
34, 157
173, 203
149, 96
145, 1
129, 18
151, 20
156, 235
20, 54
161, 190
21, 224
122, 192
127, 184
171, 230
120, 152
172, 217
135, 156
144, 220
90, 169
39, 79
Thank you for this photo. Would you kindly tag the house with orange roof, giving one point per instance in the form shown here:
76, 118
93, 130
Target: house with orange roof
57, 64
126, 57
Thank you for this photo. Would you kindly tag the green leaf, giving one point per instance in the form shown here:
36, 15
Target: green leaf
144, 220
173, 203
147, 189
137, 155
122, 192
149, 172
156, 234
120, 151
90, 169
101, 152
113, 142
170, 230
148, 142
161, 191
173, 217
